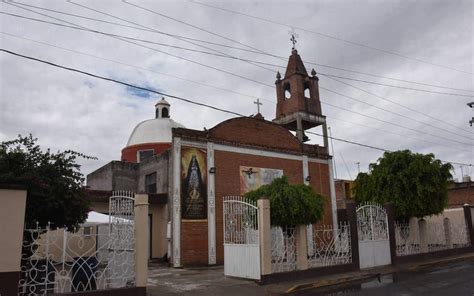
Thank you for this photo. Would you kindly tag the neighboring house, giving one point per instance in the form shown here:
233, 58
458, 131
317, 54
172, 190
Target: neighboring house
460, 193
343, 192
187, 173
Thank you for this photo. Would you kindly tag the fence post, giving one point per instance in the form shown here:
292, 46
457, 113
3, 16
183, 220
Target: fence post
352, 219
423, 237
301, 247
141, 240
469, 222
447, 233
390, 210
265, 236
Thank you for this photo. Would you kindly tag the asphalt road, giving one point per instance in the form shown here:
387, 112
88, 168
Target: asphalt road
455, 279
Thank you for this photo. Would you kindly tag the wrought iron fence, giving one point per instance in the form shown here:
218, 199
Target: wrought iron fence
407, 240
92, 257
283, 249
372, 222
329, 246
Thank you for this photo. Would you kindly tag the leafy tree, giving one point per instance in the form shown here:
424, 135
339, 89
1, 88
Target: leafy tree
53, 181
290, 204
416, 183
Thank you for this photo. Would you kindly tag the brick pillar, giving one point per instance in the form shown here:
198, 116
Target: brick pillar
352, 219
141, 240
265, 235
469, 222
301, 247
390, 209
423, 236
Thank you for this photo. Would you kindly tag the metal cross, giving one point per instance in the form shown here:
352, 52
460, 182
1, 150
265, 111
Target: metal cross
257, 102
293, 36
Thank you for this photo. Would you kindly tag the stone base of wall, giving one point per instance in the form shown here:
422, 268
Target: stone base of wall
305, 274
136, 291
9, 283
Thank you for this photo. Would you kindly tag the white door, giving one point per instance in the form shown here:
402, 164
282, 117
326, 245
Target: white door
372, 228
241, 239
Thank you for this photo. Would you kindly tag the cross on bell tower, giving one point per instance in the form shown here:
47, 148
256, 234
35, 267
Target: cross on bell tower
257, 102
298, 104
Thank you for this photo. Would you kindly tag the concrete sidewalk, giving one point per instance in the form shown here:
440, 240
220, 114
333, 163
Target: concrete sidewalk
163, 280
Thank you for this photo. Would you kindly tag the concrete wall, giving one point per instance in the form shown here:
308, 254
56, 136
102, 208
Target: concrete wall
158, 164
12, 217
159, 217
115, 175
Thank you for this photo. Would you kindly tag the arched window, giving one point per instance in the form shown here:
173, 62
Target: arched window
306, 93
306, 90
157, 113
287, 90
165, 113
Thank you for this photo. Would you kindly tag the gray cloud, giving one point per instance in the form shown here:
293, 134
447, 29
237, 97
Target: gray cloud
69, 111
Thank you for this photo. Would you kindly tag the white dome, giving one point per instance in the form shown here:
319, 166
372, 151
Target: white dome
156, 130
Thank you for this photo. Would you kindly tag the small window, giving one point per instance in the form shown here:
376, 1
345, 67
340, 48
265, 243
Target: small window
87, 231
287, 91
150, 183
306, 93
144, 154
165, 113
157, 113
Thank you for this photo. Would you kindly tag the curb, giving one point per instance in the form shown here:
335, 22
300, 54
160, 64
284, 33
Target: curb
331, 282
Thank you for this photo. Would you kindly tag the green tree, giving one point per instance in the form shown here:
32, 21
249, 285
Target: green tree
53, 181
290, 205
416, 183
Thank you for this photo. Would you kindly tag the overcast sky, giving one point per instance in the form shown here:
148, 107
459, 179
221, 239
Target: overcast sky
428, 42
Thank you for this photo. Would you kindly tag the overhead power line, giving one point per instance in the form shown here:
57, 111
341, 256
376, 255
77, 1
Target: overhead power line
359, 44
233, 47
224, 71
176, 97
213, 86
147, 47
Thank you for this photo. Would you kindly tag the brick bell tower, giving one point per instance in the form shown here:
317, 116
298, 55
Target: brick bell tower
298, 105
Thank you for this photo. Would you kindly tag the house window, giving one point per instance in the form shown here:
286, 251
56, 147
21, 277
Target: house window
150, 183
144, 154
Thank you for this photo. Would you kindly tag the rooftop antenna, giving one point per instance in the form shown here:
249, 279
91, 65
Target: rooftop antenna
358, 166
345, 164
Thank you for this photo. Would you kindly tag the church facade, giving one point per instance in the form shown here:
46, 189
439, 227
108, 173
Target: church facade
193, 170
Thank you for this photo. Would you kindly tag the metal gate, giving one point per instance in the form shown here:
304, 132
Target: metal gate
372, 227
241, 239
122, 238
95, 257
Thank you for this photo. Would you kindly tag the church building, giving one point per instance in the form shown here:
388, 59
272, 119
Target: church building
187, 173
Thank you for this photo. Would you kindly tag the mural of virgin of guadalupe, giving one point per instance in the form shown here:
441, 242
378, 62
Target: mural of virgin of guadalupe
195, 192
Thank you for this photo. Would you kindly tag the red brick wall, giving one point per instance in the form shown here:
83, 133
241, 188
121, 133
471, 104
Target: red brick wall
319, 173
194, 242
460, 194
228, 174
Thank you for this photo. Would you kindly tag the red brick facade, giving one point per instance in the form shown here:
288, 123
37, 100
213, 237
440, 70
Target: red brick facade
256, 134
460, 194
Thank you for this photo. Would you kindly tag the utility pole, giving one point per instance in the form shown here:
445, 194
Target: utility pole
358, 166
471, 105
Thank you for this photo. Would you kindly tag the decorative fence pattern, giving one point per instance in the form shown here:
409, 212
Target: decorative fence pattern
283, 249
407, 242
372, 223
329, 246
439, 235
90, 258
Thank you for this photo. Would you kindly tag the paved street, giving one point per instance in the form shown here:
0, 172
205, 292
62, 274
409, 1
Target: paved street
455, 278
451, 279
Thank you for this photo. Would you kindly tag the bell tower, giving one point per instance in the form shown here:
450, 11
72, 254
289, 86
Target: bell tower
298, 104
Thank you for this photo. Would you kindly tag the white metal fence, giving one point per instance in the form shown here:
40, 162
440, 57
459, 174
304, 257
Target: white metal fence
283, 249
329, 246
440, 234
89, 258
